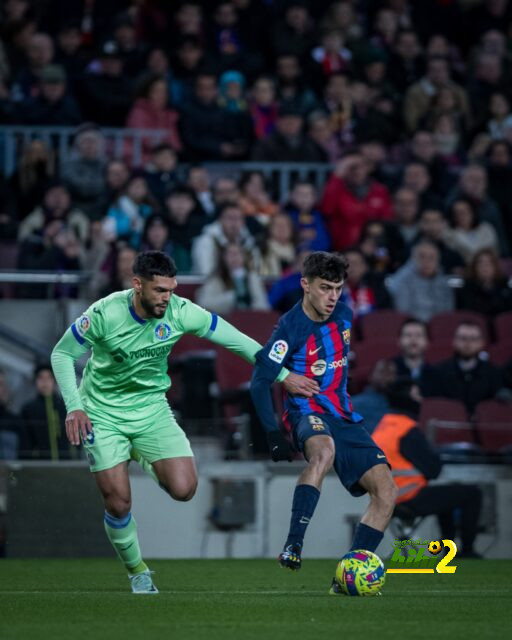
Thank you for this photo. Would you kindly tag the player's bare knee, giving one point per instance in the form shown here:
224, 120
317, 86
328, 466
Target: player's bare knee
118, 506
183, 492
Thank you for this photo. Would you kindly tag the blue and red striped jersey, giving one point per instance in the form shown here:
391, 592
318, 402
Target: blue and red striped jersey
313, 349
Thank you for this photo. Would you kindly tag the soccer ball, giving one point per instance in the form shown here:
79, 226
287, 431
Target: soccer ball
360, 573
434, 547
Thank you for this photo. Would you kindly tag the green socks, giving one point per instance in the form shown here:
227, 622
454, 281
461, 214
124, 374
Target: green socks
122, 533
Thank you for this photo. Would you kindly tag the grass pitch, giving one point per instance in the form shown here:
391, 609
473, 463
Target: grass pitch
247, 600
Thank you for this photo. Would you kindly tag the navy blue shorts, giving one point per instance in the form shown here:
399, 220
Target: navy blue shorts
355, 451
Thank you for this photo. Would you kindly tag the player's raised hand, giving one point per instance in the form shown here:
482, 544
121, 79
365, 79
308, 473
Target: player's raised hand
280, 448
297, 385
77, 423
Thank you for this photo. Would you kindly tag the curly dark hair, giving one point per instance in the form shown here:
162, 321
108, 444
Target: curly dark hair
328, 266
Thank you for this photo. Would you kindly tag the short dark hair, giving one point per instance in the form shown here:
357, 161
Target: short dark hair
413, 321
42, 366
154, 263
328, 266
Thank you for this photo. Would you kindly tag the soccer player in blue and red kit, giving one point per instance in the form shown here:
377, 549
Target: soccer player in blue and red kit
313, 339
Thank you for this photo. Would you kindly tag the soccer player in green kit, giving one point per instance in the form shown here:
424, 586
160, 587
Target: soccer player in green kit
120, 410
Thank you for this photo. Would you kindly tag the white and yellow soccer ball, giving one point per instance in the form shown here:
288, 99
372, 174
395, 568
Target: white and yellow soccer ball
361, 573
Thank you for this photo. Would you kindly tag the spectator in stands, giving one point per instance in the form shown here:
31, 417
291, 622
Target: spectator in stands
499, 115
186, 221
292, 91
132, 50
416, 176
188, 62
350, 199
287, 291
121, 269
413, 373
156, 235
499, 168
40, 52
279, 246
84, 171
420, 288
467, 234
106, 93
198, 179
263, 107
229, 228
209, 132
125, 217
8, 217
405, 213
365, 290
151, 111
418, 97
406, 64
225, 191
44, 434
56, 205
287, 143
466, 376
35, 169
53, 247
473, 186
383, 246
414, 464
255, 199
308, 221
431, 226
372, 402
71, 53
158, 64
162, 172
432, 183
486, 289
337, 103
53, 105
331, 56
320, 131
9, 424
294, 34
234, 285
117, 175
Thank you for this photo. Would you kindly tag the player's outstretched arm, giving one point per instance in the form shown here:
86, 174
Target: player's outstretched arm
63, 358
230, 337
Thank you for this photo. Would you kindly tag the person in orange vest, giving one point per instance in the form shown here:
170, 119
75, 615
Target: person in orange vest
414, 463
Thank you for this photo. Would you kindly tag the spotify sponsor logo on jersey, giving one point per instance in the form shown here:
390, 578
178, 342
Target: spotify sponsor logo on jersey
319, 367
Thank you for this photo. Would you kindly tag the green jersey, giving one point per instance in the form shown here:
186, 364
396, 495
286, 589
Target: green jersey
128, 364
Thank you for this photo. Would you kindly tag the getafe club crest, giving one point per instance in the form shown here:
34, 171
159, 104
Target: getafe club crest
162, 331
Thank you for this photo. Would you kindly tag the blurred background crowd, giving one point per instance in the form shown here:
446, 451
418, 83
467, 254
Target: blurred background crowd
406, 105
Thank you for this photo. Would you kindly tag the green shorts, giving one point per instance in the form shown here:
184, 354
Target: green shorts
153, 431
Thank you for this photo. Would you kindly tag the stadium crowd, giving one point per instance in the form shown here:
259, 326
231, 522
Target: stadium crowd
408, 103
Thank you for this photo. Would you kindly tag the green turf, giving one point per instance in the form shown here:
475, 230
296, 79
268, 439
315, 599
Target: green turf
247, 599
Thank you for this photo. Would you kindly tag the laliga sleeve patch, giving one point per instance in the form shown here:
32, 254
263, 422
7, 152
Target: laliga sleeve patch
278, 351
82, 325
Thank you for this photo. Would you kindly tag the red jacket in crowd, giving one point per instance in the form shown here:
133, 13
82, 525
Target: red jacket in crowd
346, 214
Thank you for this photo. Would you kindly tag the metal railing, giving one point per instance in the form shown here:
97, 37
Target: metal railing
119, 142
129, 145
